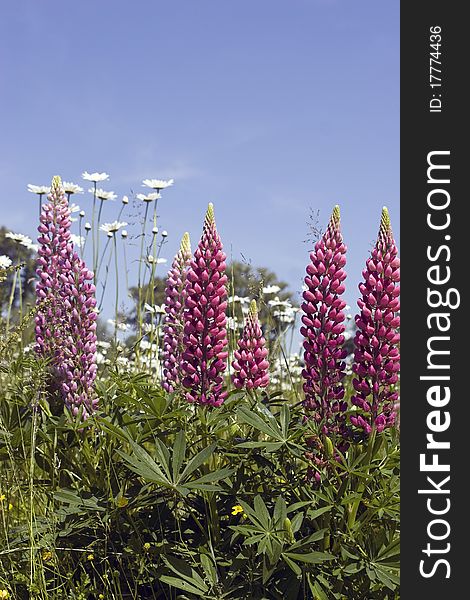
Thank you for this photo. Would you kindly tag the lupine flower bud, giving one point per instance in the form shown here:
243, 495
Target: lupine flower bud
377, 357
66, 319
323, 329
250, 364
175, 293
205, 333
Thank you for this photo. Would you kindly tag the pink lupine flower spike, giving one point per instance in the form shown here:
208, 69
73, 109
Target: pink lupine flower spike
377, 356
205, 332
250, 364
175, 292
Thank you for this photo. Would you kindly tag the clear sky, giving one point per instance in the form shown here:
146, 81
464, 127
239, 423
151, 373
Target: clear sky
267, 108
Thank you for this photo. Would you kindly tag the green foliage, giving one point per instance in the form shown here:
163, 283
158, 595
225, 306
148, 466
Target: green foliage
156, 498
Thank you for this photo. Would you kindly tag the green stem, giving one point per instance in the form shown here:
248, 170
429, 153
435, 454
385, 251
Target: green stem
117, 288
139, 276
11, 300
362, 485
93, 233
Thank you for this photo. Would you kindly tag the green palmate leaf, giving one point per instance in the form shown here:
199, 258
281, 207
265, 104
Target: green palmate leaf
352, 568
297, 505
313, 514
106, 425
316, 589
197, 461
391, 551
73, 499
297, 521
280, 512
285, 419
184, 571
214, 476
262, 512
163, 457
293, 565
269, 446
386, 577
209, 568
144, 465
309, 557
184, 585
250, 417
179, 453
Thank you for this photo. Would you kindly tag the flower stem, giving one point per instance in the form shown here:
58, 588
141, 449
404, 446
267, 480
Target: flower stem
117, 288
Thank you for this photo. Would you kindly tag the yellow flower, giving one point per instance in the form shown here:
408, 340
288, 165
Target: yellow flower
47, 555
4, 594
237, 509
90, 557
122, 501
10, 506
101, 597
2, 497
146, 546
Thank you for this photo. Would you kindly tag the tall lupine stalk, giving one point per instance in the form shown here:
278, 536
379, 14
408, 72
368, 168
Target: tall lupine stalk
250, 364
377, 357
66, 318
323, 330
205, 333
175, 293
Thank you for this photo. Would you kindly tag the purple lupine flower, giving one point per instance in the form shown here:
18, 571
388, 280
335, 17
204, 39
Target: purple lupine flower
377, 357
250, 364
175, 293
323, 329
205, 333
66, 318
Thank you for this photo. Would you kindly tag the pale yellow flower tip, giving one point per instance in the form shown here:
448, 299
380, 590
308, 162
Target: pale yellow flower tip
56, 183
385, 220
210, 217
335, 217
253, 310
186, 244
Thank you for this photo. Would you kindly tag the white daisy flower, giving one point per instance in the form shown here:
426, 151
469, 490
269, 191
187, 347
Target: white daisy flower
149, 197
241, 300
77, 240
156, 309
74, 208
119, 326
112, 227
158, 184
232, 323
95, 176
71, 188
103, 194
19, 238
38, 189
5, 261
31, 246
271, 289
278, 302
158, 261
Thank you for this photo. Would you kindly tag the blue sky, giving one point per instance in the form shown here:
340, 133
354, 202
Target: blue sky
266, 108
